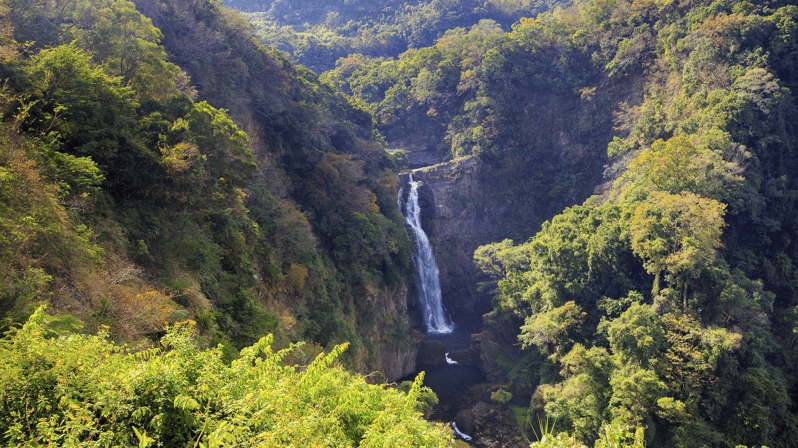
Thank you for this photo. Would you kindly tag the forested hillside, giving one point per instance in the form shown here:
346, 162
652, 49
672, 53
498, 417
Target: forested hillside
159, 165
166, 181
668, 302
317, 33
526, 103
131, 198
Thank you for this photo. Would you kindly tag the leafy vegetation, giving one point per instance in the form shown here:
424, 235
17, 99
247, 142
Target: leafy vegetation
318, 33
158, 164
60, 388
524, 102
132, 199
664, 303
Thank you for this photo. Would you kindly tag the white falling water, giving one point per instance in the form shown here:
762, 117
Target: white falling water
430, 287
462, 435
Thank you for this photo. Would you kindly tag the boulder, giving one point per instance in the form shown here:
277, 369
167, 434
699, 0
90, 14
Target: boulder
469, 356
465, 421
431, 353
488, 347
484, 414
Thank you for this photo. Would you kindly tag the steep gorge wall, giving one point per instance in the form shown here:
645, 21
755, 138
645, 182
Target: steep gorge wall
395, 338
458, 219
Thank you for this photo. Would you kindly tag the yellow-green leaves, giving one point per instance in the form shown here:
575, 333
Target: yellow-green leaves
677, 165
677, 233
549, 330
126, 44
85, 390
637, 336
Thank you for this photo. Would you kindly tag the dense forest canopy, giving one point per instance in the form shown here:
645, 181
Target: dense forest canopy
130, 200
159, 165
668, 302
317, 33
524, 102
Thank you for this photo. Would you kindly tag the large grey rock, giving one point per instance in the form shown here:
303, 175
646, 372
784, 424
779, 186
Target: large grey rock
465, 421
483, 413
397, 362
488, 347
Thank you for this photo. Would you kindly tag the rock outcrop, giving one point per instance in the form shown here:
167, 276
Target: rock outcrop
486, 346
391, 359
397, 362
431, 353
490, 426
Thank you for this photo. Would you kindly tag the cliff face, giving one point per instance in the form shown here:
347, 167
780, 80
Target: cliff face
393, 334
457, 219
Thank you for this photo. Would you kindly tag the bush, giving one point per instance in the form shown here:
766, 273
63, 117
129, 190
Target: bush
84, 390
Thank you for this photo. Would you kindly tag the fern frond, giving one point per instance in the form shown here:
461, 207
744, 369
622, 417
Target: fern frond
186, 403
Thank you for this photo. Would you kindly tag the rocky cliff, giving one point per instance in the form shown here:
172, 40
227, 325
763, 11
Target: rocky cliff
458, 220
395, 338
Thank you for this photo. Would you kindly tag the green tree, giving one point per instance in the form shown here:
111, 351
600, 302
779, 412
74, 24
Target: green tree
677, 165
678, 234
549, 330
125, 43
222, 144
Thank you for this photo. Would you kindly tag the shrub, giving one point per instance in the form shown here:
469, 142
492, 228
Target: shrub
84, 390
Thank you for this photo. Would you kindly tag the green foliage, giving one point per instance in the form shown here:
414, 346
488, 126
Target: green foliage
125, 42
84, 390
121, 155
704, 151
479, 92
549, 330
39, 239
501, 396
426, 399
112, 177
316, 34
677, 166
612, 436
677, 234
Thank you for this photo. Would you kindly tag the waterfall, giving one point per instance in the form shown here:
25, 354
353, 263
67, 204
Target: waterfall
429, 284
463, 436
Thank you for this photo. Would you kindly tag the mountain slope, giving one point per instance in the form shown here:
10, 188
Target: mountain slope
274, 214
318, 33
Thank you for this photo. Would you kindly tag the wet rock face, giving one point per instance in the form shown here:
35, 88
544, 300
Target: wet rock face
457, 219
393, 361
487, 347
396, 363
420, 152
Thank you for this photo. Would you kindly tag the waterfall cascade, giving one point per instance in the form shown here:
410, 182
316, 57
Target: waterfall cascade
429, 284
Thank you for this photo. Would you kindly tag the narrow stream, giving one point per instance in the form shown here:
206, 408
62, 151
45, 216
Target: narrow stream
449, 380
